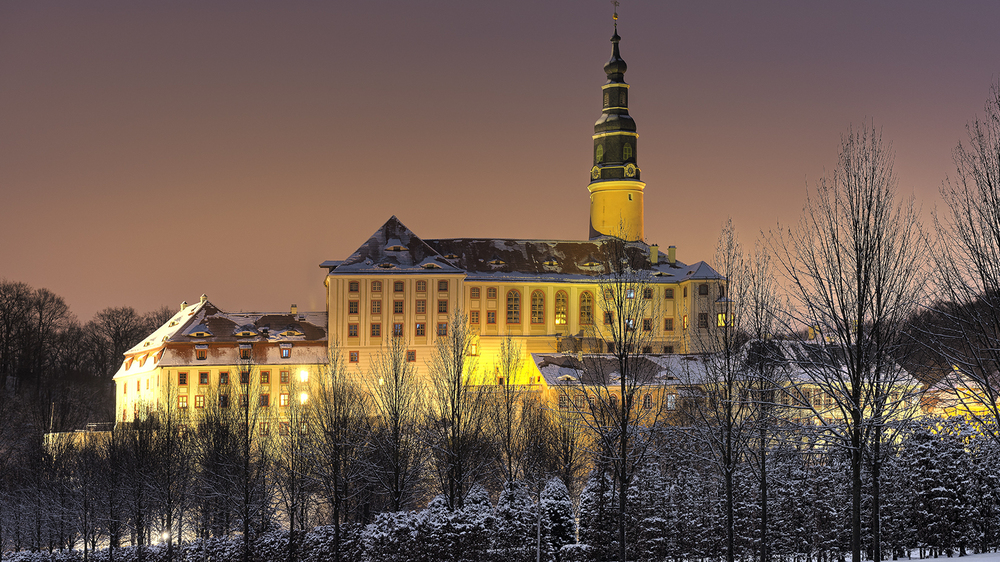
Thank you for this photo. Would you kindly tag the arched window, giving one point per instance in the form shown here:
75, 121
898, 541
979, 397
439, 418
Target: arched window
626, 151
513, 307
599, 153
562, 306
586, 308
537, 307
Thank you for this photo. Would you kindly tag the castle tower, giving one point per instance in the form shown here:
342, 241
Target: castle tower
615, 190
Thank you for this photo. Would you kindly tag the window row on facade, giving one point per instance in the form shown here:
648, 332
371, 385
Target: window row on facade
397, 286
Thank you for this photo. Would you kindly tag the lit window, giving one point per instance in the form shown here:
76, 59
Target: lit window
303, 376
421, 286
474, 293
703, 320
201, 354
491, 293
397, 307
353, 286
442, 329
353, 356
685, 321
668, 293
562, 305
265, 400
397, 329
586, 308
265, 377
199, 401
397, 287
491, 317
537, 307
352, 307
443, 285
513, 307
421, 307
671, 401
599, 153
443, 306
182, 402
668, 324
182, 378
411, 356
473, 317
720, 321
626, 151
283, 399
202, 378
376, 286
376, 307
352, 330
420, 329
283, 377
286, 352
223, 378
376, 330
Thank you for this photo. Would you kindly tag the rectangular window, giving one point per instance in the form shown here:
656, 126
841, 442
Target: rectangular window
411, 356
397, 329
263, 428
420, 330
668, 324
283, 428
703, 320
668, 349
352, 330
421, 307
491, 292
286, 352
265, 400
442, 329
491, 317
203, 378
397, 307
182, 402
721, 320
473, 317
223, 378
265, 377
647, 293
685, 321
199, 401
376, 286
397, 287
283, 399
376, 330
283, 377
671, 401
245, 352
376, 307
353, 286
668, 293
443, 285
223, 400
647, 324
182, 378
244, 377
421, 286
201, 354
443, 306
647, 349
352, 307
474, 293
353, 356
608, 318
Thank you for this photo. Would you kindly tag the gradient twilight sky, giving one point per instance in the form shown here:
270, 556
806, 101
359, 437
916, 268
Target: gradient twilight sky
154, 151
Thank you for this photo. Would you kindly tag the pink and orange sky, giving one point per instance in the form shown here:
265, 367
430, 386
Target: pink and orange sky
154, 151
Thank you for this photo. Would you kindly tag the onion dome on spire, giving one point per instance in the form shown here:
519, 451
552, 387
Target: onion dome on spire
616, 67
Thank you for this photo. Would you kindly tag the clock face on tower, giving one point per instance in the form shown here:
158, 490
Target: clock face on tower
630, 170
595, 173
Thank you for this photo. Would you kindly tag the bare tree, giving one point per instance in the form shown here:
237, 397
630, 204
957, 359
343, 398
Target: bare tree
854, 270
968, 267
456, 421
292, 459
396, 455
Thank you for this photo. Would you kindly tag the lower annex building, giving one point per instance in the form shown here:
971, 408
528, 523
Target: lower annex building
546, 295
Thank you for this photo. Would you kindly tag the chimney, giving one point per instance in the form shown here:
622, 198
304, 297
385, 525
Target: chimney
672, 255
654, 254
295, 309
204, 297
184, 305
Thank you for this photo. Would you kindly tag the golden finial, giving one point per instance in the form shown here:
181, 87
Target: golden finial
615, 16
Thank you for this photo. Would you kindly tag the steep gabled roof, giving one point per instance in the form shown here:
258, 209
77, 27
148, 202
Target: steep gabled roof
393, 248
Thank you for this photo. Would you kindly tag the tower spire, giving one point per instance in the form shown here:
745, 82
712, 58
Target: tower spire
616, 192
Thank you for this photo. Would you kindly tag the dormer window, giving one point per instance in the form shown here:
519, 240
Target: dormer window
451, 256
431, 266
496, 261
285, 350
245, 351
201, 352
386, 265
567, 378
550, 261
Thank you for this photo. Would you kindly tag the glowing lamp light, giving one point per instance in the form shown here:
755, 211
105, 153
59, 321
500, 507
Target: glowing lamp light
166, 535
304, 376
303, 398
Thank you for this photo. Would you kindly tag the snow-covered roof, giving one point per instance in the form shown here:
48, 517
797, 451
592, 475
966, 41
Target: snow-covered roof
560, 369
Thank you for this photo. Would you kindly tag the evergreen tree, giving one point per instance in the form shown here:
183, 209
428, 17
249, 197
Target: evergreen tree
558, 521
